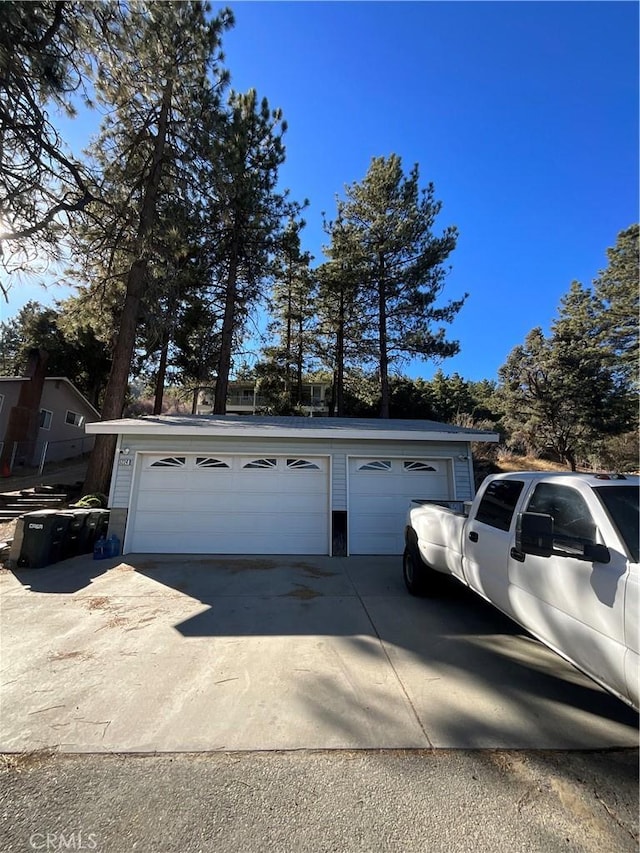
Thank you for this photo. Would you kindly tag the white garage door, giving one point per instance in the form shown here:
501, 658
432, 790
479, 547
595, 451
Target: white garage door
197, 504
380, 491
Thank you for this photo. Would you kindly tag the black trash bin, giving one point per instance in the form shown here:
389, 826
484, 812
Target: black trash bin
43, 537
75, 536
96, 523
60, 536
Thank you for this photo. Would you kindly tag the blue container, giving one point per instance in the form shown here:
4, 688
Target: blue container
100, 549
113, 546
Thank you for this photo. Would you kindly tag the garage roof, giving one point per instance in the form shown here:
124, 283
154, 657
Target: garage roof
253, 426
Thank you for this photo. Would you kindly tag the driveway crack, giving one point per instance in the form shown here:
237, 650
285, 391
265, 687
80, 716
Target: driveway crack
393, 668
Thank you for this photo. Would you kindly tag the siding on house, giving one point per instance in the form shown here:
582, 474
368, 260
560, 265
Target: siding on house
65, 440
459, 452
59, 396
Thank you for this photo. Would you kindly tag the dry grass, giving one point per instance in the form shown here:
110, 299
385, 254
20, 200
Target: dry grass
504, 462
507, 462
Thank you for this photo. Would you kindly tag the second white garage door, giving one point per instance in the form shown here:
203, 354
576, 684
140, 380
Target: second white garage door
380, 492
198, 504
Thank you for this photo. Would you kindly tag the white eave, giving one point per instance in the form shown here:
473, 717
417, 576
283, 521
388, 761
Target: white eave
290, 427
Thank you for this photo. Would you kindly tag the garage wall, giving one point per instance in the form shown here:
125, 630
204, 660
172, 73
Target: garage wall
339, 450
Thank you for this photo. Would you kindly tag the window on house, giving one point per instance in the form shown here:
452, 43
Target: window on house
45, 419
74, 419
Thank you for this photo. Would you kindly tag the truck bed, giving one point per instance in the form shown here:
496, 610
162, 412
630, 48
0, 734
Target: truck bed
439, 526
456, 507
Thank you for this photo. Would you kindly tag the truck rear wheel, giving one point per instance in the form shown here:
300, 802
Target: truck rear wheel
419, 578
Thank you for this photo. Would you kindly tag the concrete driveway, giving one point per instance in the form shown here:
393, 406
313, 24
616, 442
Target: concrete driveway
151, 653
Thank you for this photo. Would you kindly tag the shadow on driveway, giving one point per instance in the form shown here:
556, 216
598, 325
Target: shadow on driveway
342, 632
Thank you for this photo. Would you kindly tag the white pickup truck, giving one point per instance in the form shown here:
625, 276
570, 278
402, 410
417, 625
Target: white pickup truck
558, 553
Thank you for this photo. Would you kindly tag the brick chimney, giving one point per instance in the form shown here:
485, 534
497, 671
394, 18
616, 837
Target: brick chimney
22, 425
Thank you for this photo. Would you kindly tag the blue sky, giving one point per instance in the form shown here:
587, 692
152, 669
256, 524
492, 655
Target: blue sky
523, 115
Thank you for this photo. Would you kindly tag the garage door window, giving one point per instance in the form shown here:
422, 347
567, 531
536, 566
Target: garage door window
261, 463
302, 465
375, 465
210, 462
418, 465
170, 462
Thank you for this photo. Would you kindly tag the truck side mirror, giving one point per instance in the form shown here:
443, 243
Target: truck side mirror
534, 534
596, 553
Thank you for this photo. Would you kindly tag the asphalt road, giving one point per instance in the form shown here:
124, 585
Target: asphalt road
347, 801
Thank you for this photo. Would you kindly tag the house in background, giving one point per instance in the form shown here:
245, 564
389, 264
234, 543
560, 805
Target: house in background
49, 421
246, 398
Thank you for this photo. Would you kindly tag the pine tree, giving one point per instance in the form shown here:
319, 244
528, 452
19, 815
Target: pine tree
73, 349
617, 304
344, 313
559, 393
386, 236
44, 49
292, 307
154, 83
246, 215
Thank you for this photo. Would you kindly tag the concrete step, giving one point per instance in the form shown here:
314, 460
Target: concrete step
43, 496
36, 499
21, 509
9, 514
31, 495
17, 503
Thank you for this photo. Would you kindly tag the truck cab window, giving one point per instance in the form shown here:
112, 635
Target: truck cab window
573, 524
499, 502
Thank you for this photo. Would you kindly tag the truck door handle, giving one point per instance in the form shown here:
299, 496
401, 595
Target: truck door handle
517, 555
473, 536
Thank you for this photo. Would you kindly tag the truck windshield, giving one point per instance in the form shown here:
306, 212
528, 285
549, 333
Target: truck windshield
621, 502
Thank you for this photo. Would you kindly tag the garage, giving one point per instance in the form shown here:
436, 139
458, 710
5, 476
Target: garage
230, 504
380, 491
233, 484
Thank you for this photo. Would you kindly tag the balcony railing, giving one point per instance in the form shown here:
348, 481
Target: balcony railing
244, 400
234, 399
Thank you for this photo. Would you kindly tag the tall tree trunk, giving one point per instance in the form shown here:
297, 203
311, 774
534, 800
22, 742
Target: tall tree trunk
382, 338
93, 395
288, 355
101, 459
162, 372
226, 337
299, 360
339, 372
